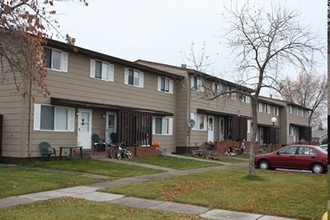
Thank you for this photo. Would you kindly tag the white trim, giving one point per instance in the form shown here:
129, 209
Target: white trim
71, 119
36, 119
64, 62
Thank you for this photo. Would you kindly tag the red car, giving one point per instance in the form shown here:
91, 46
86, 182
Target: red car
302, 157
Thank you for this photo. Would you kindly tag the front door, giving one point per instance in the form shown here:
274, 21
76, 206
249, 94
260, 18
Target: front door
111, 126
210, 128
85, 128
261, 136
221, 128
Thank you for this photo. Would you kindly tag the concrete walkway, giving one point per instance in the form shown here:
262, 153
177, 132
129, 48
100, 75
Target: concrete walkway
89, 192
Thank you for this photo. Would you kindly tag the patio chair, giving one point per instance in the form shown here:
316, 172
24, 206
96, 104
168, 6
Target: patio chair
47, 151
114, 138
98, 143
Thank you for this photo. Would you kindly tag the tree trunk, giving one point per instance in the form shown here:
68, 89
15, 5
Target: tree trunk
253, 136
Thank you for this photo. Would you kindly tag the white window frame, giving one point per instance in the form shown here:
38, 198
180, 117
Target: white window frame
168, 85
107, 70
231, 95
276, 110
249, 126
197, 84
63, 60
199, 119
217, 88
167, 125
260, 107
246, 99
138, 78
70, 118
292, 130
268, 107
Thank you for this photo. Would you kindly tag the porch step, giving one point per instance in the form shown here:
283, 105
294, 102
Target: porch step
98, 155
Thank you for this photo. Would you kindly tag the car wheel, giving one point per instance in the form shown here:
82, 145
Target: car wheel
264, 164
317, 168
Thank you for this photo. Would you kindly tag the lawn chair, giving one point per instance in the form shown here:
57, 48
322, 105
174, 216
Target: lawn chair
114, 138
98, 143
47, 151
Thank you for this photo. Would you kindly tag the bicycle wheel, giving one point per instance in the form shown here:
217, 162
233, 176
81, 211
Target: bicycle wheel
129, 154
118, 154
113, 152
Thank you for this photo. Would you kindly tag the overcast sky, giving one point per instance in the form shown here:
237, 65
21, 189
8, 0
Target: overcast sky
164, 30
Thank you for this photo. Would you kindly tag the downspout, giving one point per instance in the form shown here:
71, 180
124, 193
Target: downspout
189, 110
30, 120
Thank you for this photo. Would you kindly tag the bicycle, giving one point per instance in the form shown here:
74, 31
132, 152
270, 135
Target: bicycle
118, 151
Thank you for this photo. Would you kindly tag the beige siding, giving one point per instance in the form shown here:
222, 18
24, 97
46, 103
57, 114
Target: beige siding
221, 105
182, 115
77, 85
283, 127
12, 106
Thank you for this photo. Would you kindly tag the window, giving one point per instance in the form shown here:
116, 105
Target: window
268, 109
53, 118
200, 121
259, 107
292, 130
275, 110
56, 59
246, 99
306, 151
134, 77
231, 94
165, 85
197, 84
288, 150
249, 126
162, 125
101, 70
217, 88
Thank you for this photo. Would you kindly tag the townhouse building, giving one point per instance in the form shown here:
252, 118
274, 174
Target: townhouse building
290, 126
213, 117
228, 117
90, 93
141, 102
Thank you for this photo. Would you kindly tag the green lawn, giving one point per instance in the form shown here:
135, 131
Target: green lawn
17, 181
72, 209
288, 194
174, 163
114, 170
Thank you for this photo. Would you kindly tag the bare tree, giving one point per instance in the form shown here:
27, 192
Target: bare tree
25, 26
263, 43
308, 90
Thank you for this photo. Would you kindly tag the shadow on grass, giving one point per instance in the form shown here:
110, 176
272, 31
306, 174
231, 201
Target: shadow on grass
254, 178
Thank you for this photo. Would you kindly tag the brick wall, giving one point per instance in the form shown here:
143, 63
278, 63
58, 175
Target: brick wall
145, 151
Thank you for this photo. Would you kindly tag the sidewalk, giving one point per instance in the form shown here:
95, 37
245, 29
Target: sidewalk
89, 192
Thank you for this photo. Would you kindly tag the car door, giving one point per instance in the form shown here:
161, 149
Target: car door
305, 157
285, 157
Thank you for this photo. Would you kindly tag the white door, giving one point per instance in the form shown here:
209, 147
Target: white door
261, 136
111, 125
85, 128
210, 128
221, 128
